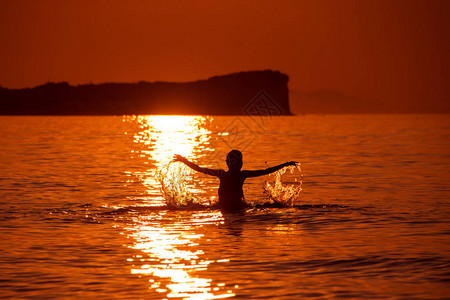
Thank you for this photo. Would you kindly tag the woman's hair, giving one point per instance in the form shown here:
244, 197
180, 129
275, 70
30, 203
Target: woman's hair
234, 159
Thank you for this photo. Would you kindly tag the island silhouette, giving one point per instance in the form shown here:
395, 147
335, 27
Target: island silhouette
253, 92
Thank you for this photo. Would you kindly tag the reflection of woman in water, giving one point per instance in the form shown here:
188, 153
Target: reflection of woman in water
231, 196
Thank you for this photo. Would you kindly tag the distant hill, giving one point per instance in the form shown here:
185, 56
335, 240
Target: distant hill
332, 102
254, 92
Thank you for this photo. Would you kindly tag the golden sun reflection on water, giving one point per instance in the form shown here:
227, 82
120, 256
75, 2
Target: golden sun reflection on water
168, 242
171, 256
160, 137
169, 135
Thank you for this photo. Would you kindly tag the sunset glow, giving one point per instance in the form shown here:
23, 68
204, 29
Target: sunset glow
393, 51
246, 149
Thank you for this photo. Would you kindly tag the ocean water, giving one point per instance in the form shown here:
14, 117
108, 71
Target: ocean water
82, 214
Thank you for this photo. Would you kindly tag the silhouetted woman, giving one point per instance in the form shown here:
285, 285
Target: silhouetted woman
231, 195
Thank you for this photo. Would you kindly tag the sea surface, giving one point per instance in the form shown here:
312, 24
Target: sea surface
82, 214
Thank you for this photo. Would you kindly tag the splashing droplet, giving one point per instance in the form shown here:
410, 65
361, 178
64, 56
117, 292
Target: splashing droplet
173, 177
284, 192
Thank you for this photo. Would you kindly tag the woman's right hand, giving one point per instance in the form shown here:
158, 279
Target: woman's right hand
178, 157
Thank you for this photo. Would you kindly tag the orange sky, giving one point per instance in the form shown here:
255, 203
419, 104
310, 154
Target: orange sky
395, 50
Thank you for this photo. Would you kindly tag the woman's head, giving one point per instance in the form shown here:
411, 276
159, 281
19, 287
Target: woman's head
234, 160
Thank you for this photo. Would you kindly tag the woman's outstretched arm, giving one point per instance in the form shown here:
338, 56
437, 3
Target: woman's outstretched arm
257, 173
195, 167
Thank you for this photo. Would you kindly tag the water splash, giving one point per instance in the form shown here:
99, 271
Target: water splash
177, 187
173, 178
284, 192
